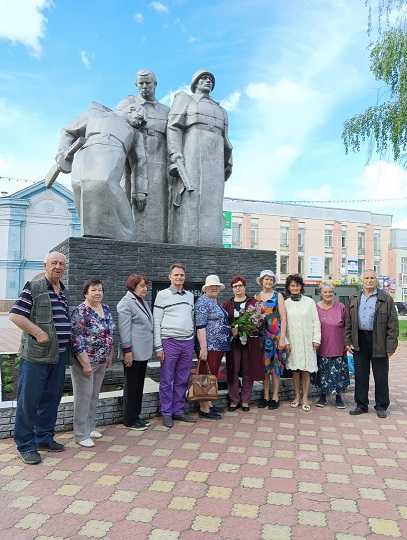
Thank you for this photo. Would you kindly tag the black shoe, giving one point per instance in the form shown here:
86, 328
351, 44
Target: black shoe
339, 404
218, 410
322, 401
168, 421
233, 408
263, 403
381, 413
31, 457
184, 418
273, 404
357, 410
52, 446
145, 422
211, 415
245, 408
138, 425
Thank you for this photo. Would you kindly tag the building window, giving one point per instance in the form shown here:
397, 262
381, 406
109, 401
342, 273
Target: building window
283, 264
344, 265
301, 237
236, 234
328, 266
284, 233
343, 239
300, 264
361, 243
404, 295
376, 268
376, 244
404, 265
328, 239
254, 233
361, 266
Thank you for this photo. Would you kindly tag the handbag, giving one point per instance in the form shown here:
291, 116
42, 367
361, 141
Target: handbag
202, 386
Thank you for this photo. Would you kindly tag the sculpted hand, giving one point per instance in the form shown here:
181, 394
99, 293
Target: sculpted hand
128, 359
140, 201
42, 337
160, 356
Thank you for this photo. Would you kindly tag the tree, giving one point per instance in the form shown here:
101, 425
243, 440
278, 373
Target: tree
385, 123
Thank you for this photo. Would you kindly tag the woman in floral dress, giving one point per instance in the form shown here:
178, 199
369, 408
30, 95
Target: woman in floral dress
274, 331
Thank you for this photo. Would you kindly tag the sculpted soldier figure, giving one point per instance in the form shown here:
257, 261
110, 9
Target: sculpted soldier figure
148, 193
200, 157
101, 140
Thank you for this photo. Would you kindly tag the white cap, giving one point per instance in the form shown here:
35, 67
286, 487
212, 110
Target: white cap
265, 273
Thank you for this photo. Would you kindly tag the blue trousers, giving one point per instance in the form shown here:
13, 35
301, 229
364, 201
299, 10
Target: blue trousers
39, 393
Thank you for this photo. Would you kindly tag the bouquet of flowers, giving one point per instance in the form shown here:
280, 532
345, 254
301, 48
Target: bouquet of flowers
249, 323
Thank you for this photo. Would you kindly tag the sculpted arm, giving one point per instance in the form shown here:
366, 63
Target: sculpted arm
176, 126
228, 150
69, 134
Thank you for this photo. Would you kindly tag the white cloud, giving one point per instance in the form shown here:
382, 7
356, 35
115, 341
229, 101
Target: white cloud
231, 101
169, 97
159, 7
384, 180
23, 21
87, 58
319, 193
192, 39
139, 18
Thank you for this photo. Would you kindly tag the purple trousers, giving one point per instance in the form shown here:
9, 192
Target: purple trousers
174, 375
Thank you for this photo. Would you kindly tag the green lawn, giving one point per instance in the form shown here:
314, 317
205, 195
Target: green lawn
403, 330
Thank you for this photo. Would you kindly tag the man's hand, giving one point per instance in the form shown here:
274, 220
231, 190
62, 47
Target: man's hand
128, 359
203, 354
160, 356
139, 201
41, 337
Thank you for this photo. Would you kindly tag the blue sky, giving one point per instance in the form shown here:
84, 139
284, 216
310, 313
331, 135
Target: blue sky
289, 73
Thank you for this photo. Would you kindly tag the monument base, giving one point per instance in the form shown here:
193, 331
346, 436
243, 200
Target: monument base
112, 261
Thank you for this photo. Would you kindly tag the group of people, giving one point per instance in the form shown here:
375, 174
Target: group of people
289, 332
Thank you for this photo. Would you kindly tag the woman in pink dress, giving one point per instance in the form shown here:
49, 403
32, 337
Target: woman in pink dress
333, 372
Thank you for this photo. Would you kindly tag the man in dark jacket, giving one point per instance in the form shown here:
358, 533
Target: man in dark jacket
371, 335
41, 312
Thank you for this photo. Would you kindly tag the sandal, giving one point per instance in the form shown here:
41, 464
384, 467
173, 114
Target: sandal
306, 407
296, 403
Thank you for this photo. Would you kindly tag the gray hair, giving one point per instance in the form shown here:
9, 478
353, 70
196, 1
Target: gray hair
326, 285
146, 73
51, 254
370, 271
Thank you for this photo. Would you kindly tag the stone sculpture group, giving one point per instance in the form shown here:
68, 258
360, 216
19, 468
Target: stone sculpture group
145, 172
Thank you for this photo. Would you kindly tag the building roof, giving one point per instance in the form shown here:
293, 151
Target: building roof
26, 193
302, 211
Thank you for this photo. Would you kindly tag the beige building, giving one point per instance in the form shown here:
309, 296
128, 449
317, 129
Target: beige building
398, 263
317, 242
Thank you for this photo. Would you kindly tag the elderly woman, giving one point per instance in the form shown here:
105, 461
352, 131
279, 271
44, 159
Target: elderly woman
274, 340
213, 333
303, 337
92, 335
333, 372
245, 358
136, 336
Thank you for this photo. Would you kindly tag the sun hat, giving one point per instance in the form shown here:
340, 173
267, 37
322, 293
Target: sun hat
265, 273
212, 280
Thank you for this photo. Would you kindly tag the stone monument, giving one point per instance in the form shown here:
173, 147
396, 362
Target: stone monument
148, 190
200, 156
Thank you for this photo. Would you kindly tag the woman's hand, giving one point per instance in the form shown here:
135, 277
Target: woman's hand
87, 369
128, 359
315, 345
287, 348
235, 331
203, 354
110, 360
281, 343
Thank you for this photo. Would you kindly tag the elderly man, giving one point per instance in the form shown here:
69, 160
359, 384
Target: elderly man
174, 344
200, 162
41, 312
371, 335
148, 192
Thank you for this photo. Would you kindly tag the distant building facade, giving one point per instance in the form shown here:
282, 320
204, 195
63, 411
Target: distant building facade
398, 263
32, 221
317, 242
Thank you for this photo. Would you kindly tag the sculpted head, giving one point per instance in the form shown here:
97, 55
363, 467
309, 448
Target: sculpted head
203, 81
146, 83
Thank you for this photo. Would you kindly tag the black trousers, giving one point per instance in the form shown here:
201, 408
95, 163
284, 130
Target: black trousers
380, 367
133, 391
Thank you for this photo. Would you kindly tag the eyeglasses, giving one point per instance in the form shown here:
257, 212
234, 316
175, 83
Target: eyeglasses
237, 286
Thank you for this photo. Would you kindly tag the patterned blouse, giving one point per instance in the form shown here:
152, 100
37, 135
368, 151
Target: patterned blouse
211, 316
92, 334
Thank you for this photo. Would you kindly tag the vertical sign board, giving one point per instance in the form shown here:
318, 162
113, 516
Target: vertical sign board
227, 229
352, 267
315, 267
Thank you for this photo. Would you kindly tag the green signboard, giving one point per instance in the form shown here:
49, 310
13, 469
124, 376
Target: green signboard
227, 229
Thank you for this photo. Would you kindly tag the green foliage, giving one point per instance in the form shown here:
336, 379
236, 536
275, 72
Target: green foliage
385, 123
9, 365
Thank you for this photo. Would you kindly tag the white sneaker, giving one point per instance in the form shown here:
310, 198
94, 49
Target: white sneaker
96, 435
87, 443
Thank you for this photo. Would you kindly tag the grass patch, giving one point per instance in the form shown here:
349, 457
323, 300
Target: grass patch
403, 330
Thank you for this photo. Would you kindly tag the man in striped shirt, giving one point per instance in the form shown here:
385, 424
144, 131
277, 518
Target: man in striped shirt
42, 313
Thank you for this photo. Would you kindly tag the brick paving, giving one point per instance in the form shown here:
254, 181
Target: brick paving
262, 475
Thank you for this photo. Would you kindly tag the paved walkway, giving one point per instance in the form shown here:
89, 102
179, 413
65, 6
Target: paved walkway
264, 475
10, 335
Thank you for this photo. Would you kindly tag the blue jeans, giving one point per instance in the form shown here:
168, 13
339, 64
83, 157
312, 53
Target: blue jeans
39, 392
